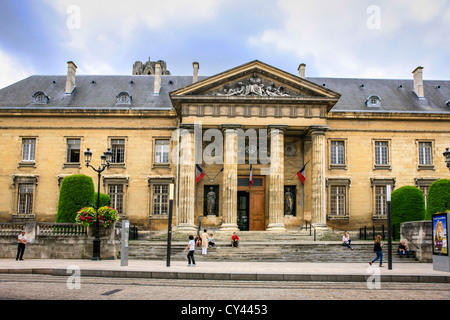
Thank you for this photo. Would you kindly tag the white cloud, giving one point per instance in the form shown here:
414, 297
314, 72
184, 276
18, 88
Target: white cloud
333, 37
107, 29
12, 69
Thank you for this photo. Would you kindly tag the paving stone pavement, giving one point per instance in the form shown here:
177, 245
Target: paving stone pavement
220, 270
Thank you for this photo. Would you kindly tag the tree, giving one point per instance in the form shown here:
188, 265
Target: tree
407, 204
76, 192
438, 197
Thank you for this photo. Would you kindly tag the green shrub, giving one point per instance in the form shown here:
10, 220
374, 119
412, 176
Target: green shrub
105, 200
407, 204
75, 193
438, 196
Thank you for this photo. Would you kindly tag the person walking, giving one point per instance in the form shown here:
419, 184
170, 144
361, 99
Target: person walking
21, 241
191, 247
205, 239
377, 248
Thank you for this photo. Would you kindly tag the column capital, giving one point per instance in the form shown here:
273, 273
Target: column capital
230, 126
317, 129
187, 126
281, 127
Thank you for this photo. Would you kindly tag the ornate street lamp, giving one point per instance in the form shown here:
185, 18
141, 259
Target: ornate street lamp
447, 157
106, 159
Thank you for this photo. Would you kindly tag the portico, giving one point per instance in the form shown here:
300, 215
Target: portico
271, 123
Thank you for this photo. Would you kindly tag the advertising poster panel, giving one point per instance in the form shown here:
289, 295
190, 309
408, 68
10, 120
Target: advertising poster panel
440, 234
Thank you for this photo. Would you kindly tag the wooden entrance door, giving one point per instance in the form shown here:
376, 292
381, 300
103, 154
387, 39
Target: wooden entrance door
257, 211
256, 199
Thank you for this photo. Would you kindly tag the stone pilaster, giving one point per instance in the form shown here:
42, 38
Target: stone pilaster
276, 179
187, 180
318, 209
229, 184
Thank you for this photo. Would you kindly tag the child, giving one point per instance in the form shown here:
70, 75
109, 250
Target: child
211, 240
234, 240
191, 246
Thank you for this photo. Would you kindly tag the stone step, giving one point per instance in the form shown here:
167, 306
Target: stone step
265, 251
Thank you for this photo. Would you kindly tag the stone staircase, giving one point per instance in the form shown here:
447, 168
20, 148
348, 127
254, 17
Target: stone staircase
295, 246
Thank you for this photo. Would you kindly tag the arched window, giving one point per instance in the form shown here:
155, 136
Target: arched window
373, 101
40, 97
123, 98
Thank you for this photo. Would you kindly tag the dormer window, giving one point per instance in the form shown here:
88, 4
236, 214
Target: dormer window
123, 98
40, 98
373, 101
448, 103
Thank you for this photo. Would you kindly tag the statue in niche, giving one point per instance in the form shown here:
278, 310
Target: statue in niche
288, 202
211, 202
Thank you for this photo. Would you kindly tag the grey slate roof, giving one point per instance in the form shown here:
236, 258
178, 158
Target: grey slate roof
102, 94
93, 92
393, 97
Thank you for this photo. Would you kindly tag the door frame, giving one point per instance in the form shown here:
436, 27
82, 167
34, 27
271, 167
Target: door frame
258, 189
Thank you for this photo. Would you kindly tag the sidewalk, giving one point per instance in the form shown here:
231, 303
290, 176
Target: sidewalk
250, 271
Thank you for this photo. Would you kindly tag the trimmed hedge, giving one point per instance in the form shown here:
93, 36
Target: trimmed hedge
438, 195
407, 204
105, 199
75, 193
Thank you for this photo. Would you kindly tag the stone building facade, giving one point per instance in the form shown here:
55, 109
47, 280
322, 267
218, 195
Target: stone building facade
211, 136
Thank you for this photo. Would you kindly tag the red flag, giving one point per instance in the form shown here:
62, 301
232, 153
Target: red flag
251, 175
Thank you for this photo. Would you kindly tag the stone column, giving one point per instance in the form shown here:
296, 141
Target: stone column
229, 183
186, 180
318, 206
276, 179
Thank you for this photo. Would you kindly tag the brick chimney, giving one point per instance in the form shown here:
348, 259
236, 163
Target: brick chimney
196, 66
301, 70
71, 74
158, 73
418, 82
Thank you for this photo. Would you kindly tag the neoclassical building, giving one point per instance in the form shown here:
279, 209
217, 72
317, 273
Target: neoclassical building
234, 145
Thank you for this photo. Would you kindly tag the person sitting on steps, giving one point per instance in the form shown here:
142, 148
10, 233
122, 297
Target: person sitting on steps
234, 240
346, 240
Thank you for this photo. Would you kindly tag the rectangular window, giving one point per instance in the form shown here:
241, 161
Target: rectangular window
160, 199
425, 149
73, 150
337, 200
381, 152
337, 152
118, 150
425, 193
25, 205
28, 149
380, 200
162, 151
115, 192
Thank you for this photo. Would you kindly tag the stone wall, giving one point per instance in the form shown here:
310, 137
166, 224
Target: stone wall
418, 238
62, 246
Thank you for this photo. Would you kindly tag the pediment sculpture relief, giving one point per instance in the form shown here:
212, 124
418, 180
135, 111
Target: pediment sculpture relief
253, 86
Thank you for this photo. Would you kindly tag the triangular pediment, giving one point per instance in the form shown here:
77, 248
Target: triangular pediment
255, 80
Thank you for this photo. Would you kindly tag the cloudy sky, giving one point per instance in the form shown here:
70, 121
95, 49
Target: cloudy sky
345, 38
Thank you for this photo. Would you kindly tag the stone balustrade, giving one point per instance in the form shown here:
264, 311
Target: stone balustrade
48, 240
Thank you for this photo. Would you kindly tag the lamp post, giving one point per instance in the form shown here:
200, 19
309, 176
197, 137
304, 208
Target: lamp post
447, 157
106, 159
169, 227
388, 203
